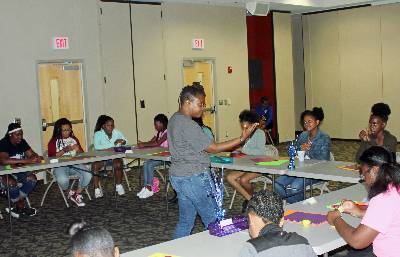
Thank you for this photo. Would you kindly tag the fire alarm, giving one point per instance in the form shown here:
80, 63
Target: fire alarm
230, 69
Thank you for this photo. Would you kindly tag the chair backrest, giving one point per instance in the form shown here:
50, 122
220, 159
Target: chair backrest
398, 157
272, 150
331, 157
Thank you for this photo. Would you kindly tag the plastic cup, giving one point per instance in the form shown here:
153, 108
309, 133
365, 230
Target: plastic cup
301, 155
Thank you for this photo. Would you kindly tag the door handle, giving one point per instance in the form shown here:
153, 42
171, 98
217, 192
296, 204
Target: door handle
210, 109
44, 125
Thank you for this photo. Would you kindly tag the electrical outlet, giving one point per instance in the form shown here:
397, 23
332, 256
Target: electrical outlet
220, 102
226, 134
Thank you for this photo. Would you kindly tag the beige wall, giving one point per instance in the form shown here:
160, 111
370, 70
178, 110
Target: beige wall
26, 31
224, 32
351, 60
284, 76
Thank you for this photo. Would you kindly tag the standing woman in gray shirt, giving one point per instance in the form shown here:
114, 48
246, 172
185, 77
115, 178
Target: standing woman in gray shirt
190, 164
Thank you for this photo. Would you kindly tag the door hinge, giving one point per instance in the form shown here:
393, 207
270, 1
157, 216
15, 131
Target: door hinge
101, 11
105, 80
165, 77
161, 13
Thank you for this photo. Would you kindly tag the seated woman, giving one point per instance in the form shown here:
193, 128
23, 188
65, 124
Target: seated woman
376, 135
316, 145
254, 145
159, 139
380, 222
88, 241
14, 151
206, 129
64, 143
106, 137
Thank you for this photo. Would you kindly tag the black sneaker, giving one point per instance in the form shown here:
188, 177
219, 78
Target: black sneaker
15, 212
27, 211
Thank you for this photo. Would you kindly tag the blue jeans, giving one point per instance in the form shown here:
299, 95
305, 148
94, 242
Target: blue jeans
194, 197
62, 175
26, 186
148, 171
291, 188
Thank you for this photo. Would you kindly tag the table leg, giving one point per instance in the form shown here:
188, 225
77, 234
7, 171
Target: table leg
9, 205
166, 186
273, 182
304, 188
115, 189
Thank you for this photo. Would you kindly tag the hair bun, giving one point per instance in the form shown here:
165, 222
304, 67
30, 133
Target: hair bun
318, 113
76, 227
381, 109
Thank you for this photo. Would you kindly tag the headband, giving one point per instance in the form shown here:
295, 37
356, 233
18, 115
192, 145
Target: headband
14, 130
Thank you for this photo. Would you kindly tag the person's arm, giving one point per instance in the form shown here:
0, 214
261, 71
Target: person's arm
121, 138
269, 115
358, 238
154, 142
33, 156
228, 145
97, 142
353, 209
320, 149
6, 160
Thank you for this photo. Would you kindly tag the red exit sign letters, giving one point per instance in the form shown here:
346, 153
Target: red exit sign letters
60, 43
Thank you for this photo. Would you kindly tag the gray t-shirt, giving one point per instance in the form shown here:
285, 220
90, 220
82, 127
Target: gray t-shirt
187, 143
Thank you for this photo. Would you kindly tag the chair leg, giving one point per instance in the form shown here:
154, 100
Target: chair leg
28, 202
63, 195
226, 191
87, 192
1, 216
233, 199
161, 175
126, 179
47, 190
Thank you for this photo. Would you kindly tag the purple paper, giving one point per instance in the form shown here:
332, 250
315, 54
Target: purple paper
121, 149
238, 223
315, 218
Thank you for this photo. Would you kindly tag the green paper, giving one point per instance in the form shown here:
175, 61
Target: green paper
272, 163
8, 167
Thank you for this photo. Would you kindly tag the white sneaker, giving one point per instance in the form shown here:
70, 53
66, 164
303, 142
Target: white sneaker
120, 189
76, 198
146, 194
141, 191
98, 193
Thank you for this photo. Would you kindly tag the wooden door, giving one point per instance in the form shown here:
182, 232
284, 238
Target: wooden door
61, 96
202, 72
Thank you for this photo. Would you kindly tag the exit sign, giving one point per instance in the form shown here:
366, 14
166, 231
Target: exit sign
198, 43
60, 43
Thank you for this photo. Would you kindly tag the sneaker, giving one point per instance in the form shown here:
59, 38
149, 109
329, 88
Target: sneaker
15, 212
29, 211
146, 194
141, 191
120, 189
98, 193
77, 198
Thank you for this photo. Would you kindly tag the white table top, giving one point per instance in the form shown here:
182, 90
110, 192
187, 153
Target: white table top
90, 157
147, 154
316, 169
323, 238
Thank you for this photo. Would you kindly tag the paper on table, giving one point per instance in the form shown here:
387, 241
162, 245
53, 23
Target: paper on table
164, 153
272, 163
337, 205
351, 167
315, 219
162, 255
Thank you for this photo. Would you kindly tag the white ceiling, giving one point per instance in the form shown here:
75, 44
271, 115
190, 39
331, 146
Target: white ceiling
294, 6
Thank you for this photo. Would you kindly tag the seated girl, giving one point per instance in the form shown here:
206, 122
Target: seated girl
64, 143
206, 129
14, 151
159, 139
380, 223
316, 145
106, 137
254, 145
376, 133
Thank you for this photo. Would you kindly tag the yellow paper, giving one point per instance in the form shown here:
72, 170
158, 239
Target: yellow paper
162, 255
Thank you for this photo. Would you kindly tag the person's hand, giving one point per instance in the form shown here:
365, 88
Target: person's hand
119, 142
332, 216
363, 135
247, 131
305, 147
35, 159
140, 144
75, 147
68, 148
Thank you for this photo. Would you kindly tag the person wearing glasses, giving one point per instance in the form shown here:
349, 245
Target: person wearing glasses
380, 221
316, 145
376, 134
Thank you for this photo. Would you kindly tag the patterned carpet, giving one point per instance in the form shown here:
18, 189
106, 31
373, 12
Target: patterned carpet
133, 223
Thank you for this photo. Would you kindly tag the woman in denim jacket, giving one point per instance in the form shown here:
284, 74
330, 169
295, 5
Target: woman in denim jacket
316, 145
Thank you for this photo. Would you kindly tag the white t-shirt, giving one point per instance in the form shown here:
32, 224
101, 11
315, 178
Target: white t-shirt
61, 143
